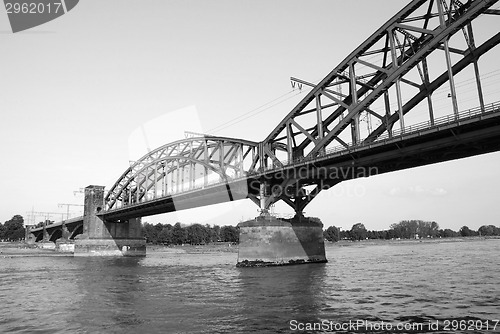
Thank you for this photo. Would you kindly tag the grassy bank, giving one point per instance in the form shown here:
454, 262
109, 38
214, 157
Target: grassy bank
11, 249
193, 249
367, 242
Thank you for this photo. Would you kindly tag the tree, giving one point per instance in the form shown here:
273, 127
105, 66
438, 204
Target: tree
358, 232
332, 233
215, 233
229, 234
390, 234
427, 229
150, 233
165, 235
345, 235
197, 234
179, 234
2, 232
434, 229
409, 229
14, 229
447, 233
466, 231
486, 230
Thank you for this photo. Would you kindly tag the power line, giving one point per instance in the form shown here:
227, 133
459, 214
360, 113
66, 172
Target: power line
253, 112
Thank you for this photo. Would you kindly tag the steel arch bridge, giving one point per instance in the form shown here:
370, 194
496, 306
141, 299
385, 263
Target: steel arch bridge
392, 75
404, 61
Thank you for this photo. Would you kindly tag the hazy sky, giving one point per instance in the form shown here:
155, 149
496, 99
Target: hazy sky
75, 91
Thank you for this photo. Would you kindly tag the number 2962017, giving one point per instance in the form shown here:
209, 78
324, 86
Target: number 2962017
33, 8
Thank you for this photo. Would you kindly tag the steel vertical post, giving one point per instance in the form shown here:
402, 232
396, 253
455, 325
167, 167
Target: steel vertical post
319, 116
398, 81
164, 181
472, 47
146, 184
448, 60
354, 94
178, 174
429, 94
205, 153
387, 103
289, 142
155, 180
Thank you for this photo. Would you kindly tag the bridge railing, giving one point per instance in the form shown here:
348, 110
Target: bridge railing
398, 133
443, 120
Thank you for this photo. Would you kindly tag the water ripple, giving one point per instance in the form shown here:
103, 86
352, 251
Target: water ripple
393, 283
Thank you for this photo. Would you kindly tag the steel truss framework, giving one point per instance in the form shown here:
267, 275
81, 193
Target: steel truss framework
394, 55
391, 66
181, 166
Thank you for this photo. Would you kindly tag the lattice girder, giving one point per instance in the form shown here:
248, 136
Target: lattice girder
402, 47
182, 165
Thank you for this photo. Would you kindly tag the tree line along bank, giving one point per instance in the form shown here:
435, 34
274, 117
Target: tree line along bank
407, 229
198, 234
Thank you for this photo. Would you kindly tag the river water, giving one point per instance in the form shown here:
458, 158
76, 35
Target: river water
368, 285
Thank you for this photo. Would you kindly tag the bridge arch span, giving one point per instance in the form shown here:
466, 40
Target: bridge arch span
39, 236
392, 73
183, 165
78, 230
56, 234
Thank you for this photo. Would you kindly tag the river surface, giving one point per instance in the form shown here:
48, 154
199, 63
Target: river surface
446, 284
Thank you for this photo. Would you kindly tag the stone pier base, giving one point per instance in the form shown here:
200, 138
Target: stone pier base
65, 246
270, 241
110, 247
46, 245
107, 238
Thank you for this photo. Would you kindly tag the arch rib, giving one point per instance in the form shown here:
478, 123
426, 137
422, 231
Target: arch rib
222, 156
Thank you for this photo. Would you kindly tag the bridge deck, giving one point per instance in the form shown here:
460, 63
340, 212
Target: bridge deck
449, 138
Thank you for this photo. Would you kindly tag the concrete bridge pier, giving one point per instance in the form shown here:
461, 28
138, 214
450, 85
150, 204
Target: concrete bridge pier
29, 237
46, 243
64, 244
102, 238
271, 241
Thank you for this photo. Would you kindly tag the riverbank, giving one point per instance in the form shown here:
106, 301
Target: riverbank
19, 249
347, 243
222, 247
15, 249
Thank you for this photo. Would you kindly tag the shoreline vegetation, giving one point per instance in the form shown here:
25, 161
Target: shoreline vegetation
210, 239
407, 229
21, 249
9, 249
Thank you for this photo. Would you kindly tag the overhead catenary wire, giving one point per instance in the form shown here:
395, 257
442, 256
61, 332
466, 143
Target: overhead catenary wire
255, 111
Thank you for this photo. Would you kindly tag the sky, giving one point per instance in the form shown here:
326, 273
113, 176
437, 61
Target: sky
79, 95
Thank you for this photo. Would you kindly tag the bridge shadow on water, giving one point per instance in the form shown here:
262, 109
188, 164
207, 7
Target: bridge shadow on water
126, 295
109, 290
272, 297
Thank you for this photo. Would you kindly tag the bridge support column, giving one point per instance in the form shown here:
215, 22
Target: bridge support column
64, 244
29, 237
46, 243
270, 241
102, 238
